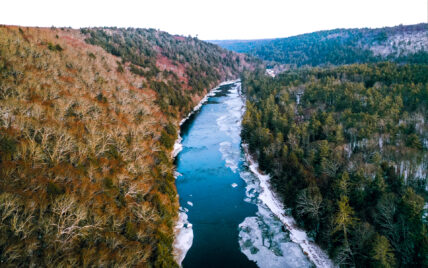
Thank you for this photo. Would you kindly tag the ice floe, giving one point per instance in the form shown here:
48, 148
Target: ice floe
263, 240
230, 155
270, 200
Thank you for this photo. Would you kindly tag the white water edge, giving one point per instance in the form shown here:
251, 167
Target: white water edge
177, 145
183, 228
262, 237
298, 236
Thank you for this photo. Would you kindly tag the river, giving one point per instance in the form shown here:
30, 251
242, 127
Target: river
224, 221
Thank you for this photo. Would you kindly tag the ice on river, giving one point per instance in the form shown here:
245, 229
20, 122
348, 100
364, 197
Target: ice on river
266, 200
230, 155
230, 123
263, 238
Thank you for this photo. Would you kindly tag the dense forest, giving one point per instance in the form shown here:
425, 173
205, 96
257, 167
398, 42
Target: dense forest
168, 64
341, 46
346, 148
88, 119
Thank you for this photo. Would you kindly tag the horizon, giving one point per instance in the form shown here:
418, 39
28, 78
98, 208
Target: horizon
274, 18
281, 37
213, 40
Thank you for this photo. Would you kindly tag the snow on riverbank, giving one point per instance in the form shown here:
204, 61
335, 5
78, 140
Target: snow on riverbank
298, 236
183, 229
183, 238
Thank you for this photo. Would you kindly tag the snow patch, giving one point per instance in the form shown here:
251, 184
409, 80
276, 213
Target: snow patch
298, 236
178, 147
183, 237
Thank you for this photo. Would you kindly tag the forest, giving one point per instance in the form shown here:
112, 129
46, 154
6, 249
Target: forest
346, 148
169, 64
340, 46
88, 119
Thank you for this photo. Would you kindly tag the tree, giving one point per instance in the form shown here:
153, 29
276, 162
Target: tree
343, 184
309, 202
344, 217
382, 253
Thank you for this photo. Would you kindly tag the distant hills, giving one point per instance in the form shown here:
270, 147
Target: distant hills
340, 46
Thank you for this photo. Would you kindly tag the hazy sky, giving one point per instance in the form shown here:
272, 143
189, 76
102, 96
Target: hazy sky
217, 19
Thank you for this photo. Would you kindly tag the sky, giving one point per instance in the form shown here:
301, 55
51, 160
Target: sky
219, 19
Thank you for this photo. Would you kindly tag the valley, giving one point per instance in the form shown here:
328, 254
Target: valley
133, 147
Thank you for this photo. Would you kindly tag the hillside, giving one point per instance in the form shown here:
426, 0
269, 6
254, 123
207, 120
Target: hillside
346, 148
341, 46
88, 119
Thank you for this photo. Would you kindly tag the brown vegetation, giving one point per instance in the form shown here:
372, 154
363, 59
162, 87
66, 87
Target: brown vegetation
83, 180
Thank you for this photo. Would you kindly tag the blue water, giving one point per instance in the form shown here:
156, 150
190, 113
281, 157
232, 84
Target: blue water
220, 195
218, 207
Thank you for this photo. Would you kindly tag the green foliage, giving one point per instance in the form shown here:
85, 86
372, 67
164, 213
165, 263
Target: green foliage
344, 218
100, 97
332, 47
414, 141
130, 230
335, 156
7, 147
108, 182
53, 47
166, 139
383, 255
54, 189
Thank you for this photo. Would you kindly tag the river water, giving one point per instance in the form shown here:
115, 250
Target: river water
220, 195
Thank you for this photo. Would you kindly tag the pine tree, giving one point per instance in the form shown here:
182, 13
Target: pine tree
382, 253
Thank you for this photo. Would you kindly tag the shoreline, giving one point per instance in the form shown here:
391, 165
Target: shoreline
183, 231
177, 144
315, 254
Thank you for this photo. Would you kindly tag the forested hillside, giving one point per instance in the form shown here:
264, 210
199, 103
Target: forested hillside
341, 46
87, 122
168, 63
346, 148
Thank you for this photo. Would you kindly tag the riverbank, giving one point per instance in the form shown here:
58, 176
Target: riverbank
316, 255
